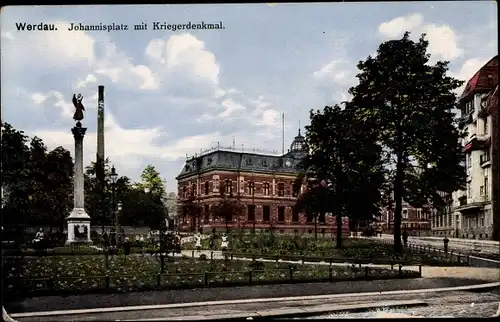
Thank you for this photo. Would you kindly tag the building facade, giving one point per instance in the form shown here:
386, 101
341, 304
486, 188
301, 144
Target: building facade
443, 221
473, 208
414, 220
262, 184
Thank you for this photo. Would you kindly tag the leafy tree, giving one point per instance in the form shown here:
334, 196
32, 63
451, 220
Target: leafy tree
15, 156
314, 201
37, 183
189, 208
409, 101
59, 185
152, 182
343, 169
227, 207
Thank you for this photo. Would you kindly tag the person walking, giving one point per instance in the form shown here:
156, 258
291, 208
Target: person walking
198, 242
405, 237
225, 243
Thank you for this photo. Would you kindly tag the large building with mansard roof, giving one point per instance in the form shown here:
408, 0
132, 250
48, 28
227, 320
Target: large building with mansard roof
261, 181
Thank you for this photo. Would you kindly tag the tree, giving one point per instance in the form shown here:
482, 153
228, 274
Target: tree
38, 184
59, 185
152, 182
15, 156
189, 208
409, 102
227, 207
343, 169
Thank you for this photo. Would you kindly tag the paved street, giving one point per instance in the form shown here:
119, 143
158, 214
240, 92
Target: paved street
452, 305
463, 304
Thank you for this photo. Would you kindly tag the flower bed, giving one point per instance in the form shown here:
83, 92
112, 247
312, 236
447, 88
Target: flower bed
69, 274
354, 250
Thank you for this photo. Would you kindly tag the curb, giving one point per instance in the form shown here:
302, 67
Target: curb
297, 312
477, 287
6, 317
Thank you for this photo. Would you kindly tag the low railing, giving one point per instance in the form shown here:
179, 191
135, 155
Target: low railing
161, 281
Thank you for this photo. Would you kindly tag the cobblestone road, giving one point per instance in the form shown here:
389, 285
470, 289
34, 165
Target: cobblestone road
456, 305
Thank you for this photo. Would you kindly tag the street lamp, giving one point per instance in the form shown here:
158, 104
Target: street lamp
117, 223
114, 177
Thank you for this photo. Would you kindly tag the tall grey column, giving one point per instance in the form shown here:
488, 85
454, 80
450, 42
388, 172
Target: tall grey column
78, 220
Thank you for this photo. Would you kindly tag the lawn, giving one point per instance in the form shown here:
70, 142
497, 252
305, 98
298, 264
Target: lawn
356, 250
64, 274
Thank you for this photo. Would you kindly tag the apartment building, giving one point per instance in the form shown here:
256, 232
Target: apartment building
414, 220
472, 208
443, 221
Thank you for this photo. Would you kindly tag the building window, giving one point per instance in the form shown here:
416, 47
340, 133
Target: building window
281, 189
207, 189
322, 218
266, 213
486, 186
469, 160
193, 190
405, 213
295, 216
251, 212
207, 212
228, 188
469, 107
251, 188
266, 189
184, 191
469, 190
281, 214
485, 126
481, 220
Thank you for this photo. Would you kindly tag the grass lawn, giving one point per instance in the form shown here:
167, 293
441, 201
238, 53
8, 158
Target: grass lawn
286, 246
59, 274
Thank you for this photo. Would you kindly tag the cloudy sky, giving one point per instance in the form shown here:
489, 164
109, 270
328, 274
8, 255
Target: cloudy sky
171, 93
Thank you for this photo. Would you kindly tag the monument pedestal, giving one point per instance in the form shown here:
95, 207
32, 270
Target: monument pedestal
78, 227
78, 220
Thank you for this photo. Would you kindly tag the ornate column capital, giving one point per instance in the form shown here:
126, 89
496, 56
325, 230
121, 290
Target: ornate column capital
78, 131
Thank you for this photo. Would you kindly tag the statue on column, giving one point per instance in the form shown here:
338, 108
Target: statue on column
79, 108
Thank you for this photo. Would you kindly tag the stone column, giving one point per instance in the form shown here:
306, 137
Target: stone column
78, 220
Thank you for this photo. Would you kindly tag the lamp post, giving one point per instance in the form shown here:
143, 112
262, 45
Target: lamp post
117, 222
114, 177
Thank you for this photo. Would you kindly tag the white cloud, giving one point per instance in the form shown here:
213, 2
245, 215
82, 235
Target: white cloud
270, 118
443, 41
335, 71
184, 52
230, 107
91, 79
398, 26
38, 98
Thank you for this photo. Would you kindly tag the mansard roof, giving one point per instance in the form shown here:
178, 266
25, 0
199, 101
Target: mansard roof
230, 159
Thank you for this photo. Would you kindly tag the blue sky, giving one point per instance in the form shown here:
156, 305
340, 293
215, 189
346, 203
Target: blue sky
171, 93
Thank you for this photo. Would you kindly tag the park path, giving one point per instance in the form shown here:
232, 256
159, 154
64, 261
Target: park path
481, 273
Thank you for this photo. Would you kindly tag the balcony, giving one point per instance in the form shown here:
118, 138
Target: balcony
477, 143
485, 160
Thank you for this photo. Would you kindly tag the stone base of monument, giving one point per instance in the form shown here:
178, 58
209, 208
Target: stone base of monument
78, 227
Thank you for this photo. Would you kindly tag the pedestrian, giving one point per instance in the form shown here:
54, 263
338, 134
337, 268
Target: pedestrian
225, 243
198, 242
405, 237
211, 242
445, 242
